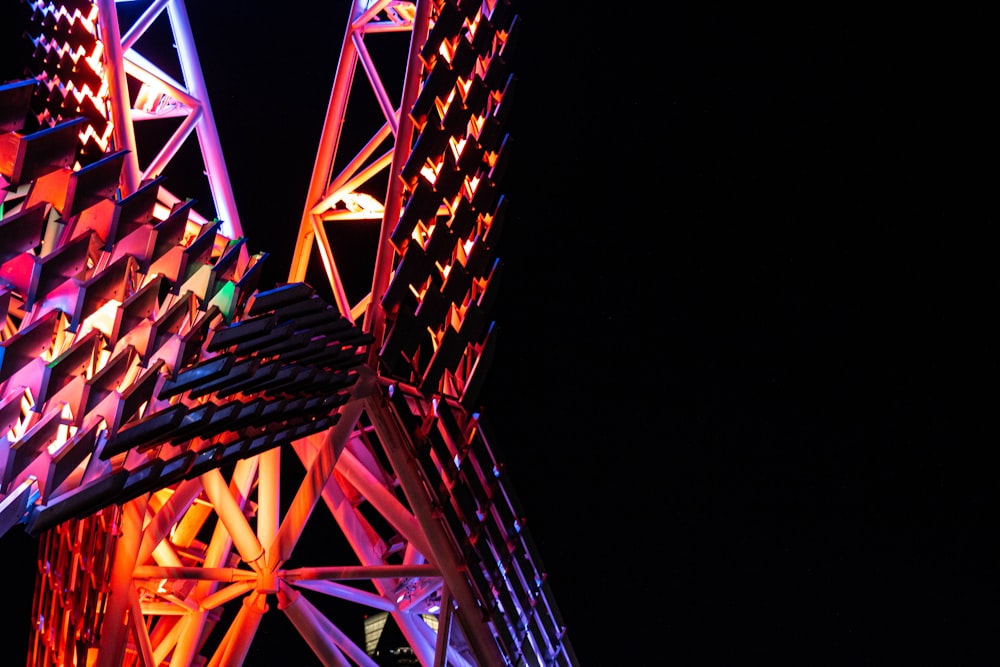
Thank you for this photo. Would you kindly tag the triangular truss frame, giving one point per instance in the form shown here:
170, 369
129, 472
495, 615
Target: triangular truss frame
161, 96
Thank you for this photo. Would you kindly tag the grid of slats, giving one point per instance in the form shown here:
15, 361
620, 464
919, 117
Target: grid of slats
446, 237
66, 60
71, 588
137, 351
465, 481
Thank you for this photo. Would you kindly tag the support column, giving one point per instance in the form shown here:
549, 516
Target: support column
114, 630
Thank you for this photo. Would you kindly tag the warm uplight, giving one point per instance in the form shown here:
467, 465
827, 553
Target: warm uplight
90, 134
95, 59
65, 431
191, 231
16, 431
457, 144
430, 171
421, 234
446, 103
446, 50
102, 319
361, 202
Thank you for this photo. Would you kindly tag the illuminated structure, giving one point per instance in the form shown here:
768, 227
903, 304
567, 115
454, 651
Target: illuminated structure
154, 395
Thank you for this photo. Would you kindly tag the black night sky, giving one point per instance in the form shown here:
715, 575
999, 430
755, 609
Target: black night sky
740, 258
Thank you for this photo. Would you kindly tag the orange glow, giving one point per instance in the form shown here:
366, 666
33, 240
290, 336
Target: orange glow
469, 186
65, 432
161, 211
491, 157
446, 103
103, 355
360, 202
446, 50
474, 25
457, 145
102, 319
191, 231
16, 432
421, 234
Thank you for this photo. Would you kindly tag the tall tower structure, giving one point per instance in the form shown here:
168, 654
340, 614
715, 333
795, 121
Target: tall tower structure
176, 431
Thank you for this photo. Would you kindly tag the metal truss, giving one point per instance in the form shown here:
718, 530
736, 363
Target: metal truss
160, 96
337, 189
174, 431
88, 66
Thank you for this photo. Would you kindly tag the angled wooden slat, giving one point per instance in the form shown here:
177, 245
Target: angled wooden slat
55, 269
69, 457
15, 99
22, 231
24, 158
114, 283
29, 344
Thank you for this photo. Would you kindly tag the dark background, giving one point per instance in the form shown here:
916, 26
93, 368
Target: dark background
747, 284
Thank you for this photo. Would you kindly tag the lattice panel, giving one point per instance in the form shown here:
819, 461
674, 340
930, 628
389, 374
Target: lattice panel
136, 351
67, 63
446, 237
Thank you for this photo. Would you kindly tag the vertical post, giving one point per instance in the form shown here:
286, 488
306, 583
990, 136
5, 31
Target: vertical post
374, 321
114, 629
397, 447
268, 500
208, 135
329, 140
122, 131
444, 629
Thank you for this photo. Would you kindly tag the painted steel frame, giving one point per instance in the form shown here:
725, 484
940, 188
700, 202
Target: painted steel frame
176, 583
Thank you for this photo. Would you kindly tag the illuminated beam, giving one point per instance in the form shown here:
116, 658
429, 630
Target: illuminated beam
236, 645
227, 574
114, 629
325, 639
269, 488
121, 107
208, 135
374, 322
319, 472
353, 572
385, 501
327, 150
395, 443
349, 593
444, 629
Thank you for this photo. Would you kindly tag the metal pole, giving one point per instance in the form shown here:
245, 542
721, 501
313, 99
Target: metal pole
122, 132
374, 322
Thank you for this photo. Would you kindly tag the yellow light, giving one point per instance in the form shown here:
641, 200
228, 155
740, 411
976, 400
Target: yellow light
191, 231
102, 319
473, 185
93, 61
362, 202
103, 356
16, 432
65, 431
457, 146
